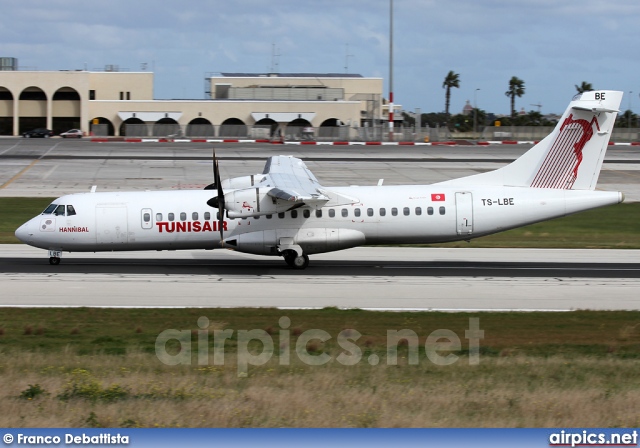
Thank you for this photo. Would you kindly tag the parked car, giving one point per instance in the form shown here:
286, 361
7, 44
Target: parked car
38, 133
71, 133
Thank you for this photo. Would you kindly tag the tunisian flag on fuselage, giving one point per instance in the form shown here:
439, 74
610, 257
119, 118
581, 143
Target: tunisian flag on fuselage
437, 197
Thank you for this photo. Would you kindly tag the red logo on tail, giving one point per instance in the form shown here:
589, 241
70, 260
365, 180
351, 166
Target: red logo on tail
560, 167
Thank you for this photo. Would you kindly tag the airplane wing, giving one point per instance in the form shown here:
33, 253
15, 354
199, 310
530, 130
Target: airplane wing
292, 181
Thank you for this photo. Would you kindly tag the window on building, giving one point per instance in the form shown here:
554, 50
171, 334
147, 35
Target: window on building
92, 94
121, 95
128, 95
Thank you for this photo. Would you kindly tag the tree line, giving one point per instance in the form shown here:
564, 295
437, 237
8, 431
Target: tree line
516, 89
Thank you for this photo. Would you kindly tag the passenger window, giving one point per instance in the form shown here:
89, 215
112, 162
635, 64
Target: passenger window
171, 216
50, 209
383, 211
70, 210
394, 211
281, 215
306, 213
442, 210
418, 211
345, 212
429, 210
294, 214
369, 212
269, 216
146, 217
319, 213
59, 211
332, 213
194, 216
207, 216
356, 212
183, 216
158, 216
406, 211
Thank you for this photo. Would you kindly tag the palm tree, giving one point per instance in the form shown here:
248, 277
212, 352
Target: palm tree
451, 80
516, 89
584, 87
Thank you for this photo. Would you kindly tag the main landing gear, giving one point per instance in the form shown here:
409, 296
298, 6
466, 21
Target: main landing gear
296, 261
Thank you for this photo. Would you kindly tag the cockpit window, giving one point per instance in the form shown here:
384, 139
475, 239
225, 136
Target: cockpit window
50, 209
59, 211
70, 210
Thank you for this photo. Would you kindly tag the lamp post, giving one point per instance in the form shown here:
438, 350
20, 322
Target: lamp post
630, 113
475, 113
390, 70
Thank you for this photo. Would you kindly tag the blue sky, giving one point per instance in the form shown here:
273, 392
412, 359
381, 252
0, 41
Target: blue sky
551, 45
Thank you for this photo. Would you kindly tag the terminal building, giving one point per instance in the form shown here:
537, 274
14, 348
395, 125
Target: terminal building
252, 105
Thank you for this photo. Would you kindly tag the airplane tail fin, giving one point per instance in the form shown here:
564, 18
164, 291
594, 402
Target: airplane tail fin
571, 156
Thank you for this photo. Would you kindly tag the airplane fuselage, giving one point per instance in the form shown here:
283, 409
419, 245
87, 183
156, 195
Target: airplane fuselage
174, 220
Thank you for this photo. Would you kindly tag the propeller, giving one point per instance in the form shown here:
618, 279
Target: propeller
218, 201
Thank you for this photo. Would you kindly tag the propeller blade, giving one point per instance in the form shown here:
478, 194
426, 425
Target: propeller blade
218, 201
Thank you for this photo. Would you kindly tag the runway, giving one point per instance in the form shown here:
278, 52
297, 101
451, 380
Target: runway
371, 278
368, 278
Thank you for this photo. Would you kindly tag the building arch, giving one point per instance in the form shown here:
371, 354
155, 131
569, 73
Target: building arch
166, 127
331, 128
233, 127
200, 127
265, 123
133, 127
33, 109
6, 111
101, 127
65, 110
299, 129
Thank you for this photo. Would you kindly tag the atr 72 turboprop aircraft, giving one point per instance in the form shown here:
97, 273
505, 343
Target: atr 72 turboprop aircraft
285, 211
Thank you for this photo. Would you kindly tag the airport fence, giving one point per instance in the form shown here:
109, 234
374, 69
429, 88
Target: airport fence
343, 133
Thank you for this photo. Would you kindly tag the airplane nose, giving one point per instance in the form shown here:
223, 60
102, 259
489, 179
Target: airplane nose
24, 232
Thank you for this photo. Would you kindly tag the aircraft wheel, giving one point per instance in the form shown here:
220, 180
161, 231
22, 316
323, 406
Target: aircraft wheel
289, 259
301, 262
54, 261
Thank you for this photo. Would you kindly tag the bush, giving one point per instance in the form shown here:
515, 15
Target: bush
33, 391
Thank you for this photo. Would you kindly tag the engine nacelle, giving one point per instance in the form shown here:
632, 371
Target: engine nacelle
253, 202
239, 183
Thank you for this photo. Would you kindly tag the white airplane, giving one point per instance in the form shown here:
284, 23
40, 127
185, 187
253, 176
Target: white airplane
284, 211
